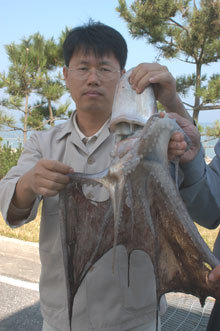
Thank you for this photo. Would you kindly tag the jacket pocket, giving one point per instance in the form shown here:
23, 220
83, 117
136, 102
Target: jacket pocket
137, 282
103, 293
110, 301
52, 282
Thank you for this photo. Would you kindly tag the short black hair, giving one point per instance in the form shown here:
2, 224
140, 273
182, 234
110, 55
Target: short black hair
98, 38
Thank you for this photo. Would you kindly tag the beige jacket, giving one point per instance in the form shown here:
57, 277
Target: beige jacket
103, 302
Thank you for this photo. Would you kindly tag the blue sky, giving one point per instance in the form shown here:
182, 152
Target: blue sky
20, 18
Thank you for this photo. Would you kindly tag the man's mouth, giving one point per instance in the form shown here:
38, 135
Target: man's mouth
92, 93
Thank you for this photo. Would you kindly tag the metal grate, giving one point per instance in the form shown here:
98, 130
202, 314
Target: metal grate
185, 313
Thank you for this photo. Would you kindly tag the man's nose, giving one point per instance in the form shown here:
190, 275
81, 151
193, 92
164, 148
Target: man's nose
93, 76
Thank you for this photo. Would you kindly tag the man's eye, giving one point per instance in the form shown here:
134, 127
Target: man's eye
82, 69
104, 69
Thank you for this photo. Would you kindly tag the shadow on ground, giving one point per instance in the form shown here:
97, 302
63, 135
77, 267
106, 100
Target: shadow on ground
27, 319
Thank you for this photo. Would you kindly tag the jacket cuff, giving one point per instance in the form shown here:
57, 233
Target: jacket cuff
31, 216
19, 211
195, 170
7, 198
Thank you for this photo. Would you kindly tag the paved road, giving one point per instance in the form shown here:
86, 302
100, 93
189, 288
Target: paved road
19, 295
20, 311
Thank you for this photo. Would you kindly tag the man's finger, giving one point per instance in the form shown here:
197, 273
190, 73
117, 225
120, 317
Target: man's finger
56, 166
214, 275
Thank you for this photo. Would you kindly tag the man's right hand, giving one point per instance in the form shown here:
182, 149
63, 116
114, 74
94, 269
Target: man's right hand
46, 178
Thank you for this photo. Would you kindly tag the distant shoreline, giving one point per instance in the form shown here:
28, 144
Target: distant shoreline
14, 138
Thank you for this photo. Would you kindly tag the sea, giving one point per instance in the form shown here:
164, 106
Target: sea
15, 138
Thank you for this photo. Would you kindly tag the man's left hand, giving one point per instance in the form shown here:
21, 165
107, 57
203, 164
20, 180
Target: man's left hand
214, 278
163, 83
178, 147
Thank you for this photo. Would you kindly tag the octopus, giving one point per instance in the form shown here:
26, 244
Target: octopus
145, 210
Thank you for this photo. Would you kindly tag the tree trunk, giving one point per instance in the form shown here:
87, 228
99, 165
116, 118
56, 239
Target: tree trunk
196, 107
196, 115
51, 113
25, 118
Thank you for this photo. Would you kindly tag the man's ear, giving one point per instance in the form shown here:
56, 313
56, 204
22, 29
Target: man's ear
123, 72
65, 75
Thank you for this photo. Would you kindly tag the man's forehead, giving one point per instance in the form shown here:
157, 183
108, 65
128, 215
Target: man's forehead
83, 56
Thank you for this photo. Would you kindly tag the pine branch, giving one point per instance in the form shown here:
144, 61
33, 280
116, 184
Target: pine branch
13, 128
36, 106
179, 25
208, 139
45, 123
186, 61
210, 107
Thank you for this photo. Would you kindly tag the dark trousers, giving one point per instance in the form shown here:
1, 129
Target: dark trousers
214, 320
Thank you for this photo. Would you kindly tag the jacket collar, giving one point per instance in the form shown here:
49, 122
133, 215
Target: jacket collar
68, 128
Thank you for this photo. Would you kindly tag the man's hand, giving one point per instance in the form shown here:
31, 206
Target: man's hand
163, 83
177, 146
46, 178
214, 278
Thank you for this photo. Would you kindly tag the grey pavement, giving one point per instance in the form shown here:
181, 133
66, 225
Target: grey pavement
19, 309
19, 277
20, 260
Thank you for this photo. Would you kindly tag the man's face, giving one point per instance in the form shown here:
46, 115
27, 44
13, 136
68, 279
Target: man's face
89, 90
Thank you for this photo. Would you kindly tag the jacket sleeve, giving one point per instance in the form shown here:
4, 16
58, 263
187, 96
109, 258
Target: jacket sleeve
29, 157
200, 189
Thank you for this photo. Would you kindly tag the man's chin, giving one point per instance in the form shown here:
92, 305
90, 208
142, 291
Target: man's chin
93, 108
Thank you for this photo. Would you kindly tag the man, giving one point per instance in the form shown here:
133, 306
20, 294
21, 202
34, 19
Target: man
200, 190
95, 57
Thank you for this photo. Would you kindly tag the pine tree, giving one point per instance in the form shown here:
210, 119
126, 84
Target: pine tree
33, 83
186, 30
5, 120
